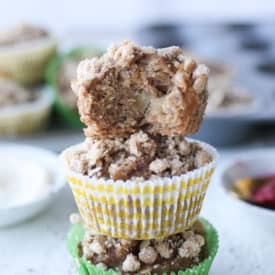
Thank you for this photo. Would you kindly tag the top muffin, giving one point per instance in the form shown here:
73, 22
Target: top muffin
132, 88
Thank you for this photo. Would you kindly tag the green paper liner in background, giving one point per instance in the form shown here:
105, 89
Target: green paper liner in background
76, 235
67, 114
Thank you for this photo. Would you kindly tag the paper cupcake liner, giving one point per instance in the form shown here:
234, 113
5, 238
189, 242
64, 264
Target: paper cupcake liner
27, 64
76, 234
26, 118
67, 114
150, 209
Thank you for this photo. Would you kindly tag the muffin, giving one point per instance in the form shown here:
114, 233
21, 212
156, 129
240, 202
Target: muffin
139, 187
136, 176
190, 252
132, 87
23, 111
59, 74
25, 50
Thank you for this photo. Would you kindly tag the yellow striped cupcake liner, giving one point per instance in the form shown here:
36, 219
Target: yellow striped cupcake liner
151, 209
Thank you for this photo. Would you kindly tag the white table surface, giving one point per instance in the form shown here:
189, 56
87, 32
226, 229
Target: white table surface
38, 246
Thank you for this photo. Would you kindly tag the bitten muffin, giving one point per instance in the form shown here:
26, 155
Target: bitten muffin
130, 88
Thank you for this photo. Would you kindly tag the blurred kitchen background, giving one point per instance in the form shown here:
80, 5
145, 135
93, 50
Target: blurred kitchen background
236, 39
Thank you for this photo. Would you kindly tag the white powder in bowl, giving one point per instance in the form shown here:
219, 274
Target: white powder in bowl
22, 181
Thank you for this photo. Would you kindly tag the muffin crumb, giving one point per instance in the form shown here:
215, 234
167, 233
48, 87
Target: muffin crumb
164, 249
96, 247
75, 218
138, 157
191, 247
131, 264
159, 165
148, 255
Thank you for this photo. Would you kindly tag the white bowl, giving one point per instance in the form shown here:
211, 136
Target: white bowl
252, 164
14, 214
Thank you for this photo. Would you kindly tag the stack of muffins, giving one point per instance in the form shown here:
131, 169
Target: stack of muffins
139, 183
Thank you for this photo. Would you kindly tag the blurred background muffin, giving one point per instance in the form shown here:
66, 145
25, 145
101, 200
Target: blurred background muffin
23, 110
25, 51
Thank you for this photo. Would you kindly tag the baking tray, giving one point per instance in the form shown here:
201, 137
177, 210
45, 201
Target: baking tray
245, 50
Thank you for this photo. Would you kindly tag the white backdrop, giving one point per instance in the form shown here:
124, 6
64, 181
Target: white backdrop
62, 15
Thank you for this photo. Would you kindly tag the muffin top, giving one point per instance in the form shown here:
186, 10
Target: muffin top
137, 157
132, 88
21, 33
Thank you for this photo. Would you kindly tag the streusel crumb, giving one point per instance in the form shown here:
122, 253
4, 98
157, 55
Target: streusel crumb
130, 88
139, 156
170, 254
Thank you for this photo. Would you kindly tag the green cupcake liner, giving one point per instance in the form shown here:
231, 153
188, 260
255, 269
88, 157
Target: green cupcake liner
67, 114
76, 235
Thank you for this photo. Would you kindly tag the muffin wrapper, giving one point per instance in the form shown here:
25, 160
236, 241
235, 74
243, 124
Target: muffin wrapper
27, 65
146, 210
27, 121
67, 114
85, 268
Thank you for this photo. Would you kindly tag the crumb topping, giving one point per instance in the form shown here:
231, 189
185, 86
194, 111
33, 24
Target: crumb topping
21, 33
173, 253
131, 88
139, 156
12, 94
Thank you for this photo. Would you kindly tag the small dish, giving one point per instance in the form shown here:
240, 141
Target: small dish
253, 164
18, 212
